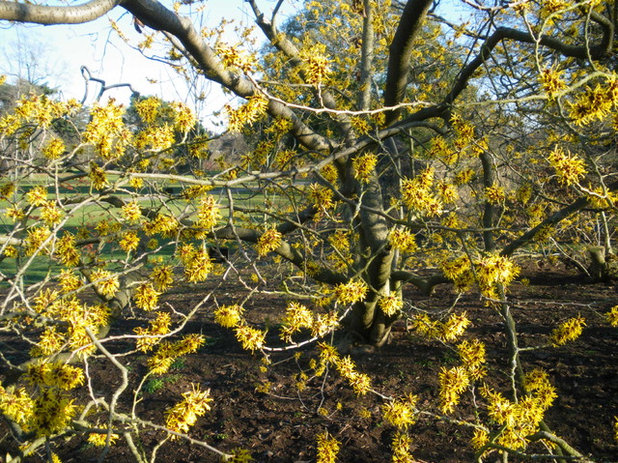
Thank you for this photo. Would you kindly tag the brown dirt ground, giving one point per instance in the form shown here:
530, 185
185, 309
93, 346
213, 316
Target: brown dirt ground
281, 427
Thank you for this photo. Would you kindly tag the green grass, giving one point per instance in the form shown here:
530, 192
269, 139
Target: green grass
89, 215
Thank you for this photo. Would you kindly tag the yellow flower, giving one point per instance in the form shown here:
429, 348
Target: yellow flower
327, 448
158, 326
568, 331
268, 241
495, 194
162, 277
612, 316
401, 413
100, 439
148, 109
105, 282
569, 169
97, 176
35, 239
251, 338
129, 241
11, 251
297, 317
106, 130
417, 196
480, 438
452, 383
183, 415
401, 448
350, 292
146, 297
391, 304
208, 212
131, 211
363, 166
249, 113
54, 149
552, 81
184, 119
198, 268
229, 316
37, 196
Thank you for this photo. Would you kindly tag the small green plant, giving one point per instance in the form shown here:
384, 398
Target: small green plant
153, 385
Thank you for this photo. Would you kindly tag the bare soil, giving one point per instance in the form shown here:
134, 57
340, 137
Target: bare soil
281, 426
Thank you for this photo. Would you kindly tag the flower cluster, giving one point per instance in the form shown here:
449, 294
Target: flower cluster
492, 270
208, 213
521, 419
99, 439
452, 383
168, 351
65, 250
401, 413
61, 376
569, 169
149, 337
297, 317
552, 81
568, 331
251, 338
146, 297
315, 64
495, 194
402, 239
327, 448
447, 331
363, 166
472, 354
250, 112
401, 448
268, 241
320, 196
184, 414
350, 292
391, 304
595, 103
612, 316
360, 382
417, 196
106, 130
129, 241
105, 282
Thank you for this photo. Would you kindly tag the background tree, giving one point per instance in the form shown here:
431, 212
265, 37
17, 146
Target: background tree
372, 127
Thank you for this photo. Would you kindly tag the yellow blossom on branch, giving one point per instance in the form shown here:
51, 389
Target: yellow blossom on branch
184, 414
105, 282
251, 338
568, 331
247, 114
146, 297
327, 448
452, 383
569, 169
229, 316
350, 292
99, 439
363, 166
268, 241
401, 413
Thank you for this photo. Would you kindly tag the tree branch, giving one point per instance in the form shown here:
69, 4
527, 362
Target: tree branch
400, 53
42, 14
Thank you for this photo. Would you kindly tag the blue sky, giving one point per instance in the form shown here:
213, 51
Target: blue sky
59, 52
